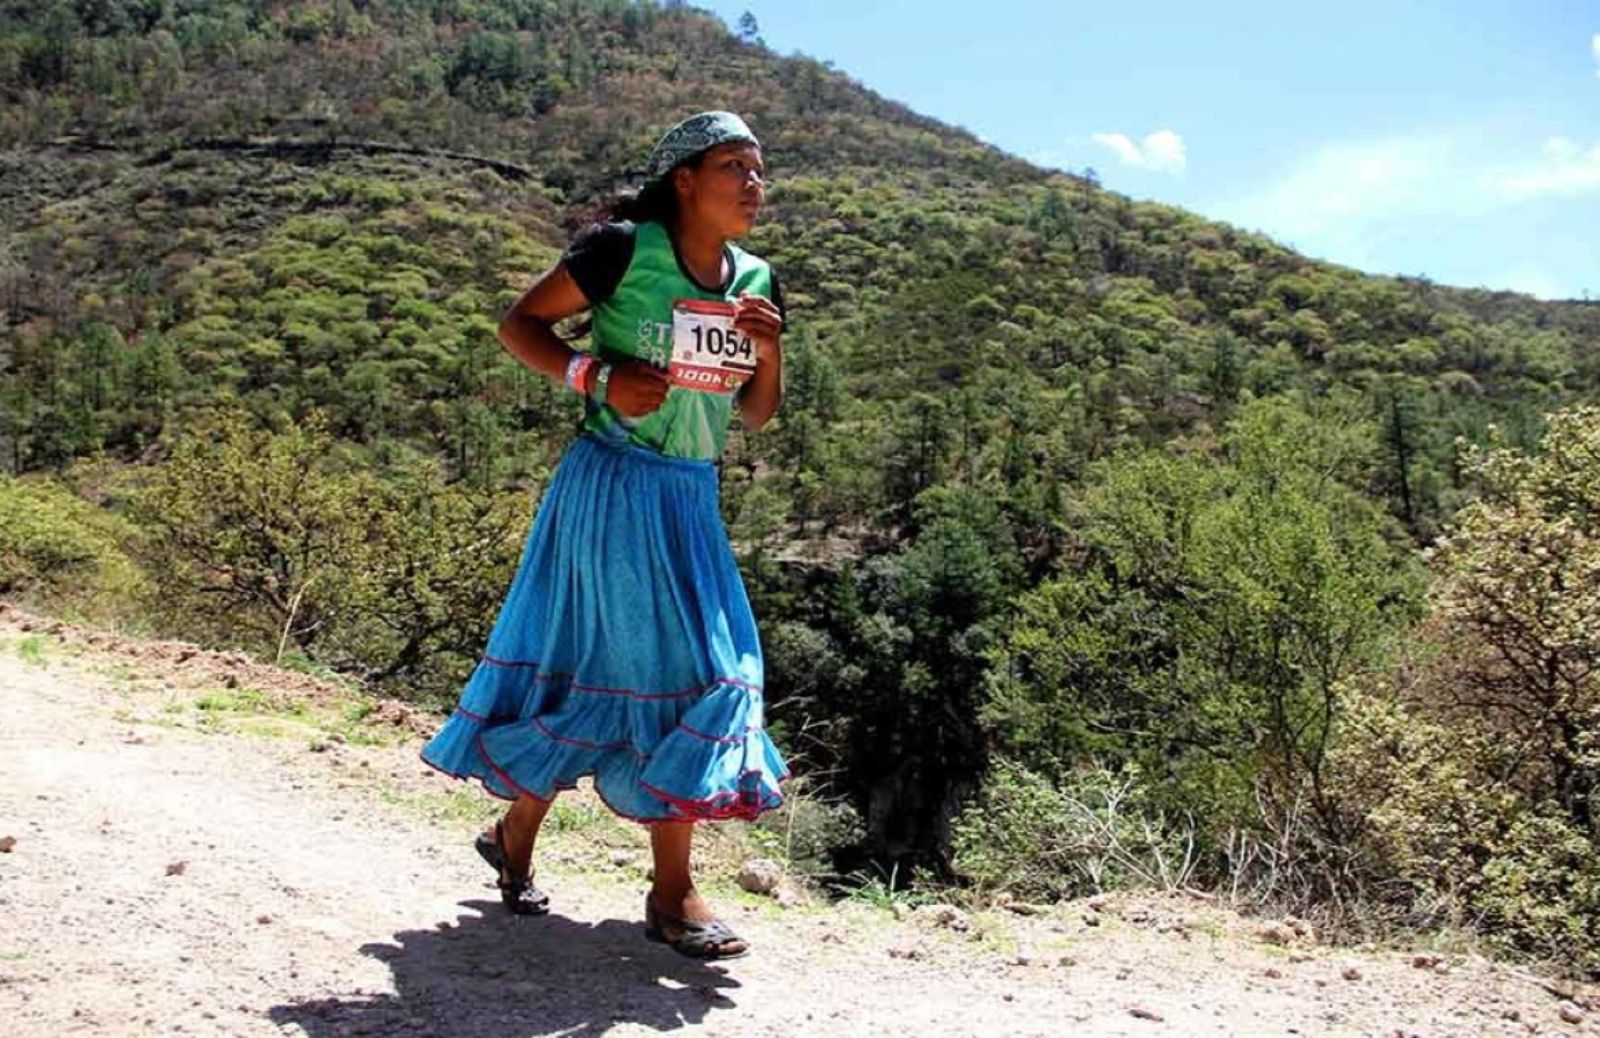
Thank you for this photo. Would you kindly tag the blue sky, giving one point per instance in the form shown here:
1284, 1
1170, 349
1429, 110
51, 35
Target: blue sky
1458, 140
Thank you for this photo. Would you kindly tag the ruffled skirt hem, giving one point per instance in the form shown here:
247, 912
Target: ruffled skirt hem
690, 778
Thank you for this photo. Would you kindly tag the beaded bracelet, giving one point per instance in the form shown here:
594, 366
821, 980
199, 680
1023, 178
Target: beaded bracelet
578, 369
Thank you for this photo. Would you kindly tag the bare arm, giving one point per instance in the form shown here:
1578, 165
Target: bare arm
527, 332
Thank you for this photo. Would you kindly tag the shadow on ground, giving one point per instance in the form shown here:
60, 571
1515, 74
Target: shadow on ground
492, 975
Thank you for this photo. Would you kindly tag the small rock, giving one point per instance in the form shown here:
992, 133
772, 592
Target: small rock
899, 911
1144, 1013
1025, 908
7, 843
906, 951
621, 857
264, 919
1570, 1013
1350, 973
1273, 972
945, 915
176, 868
1090, 919
788, 897
1301, 928
1512, 1014
760, 875
1425, 962
1276, 933
1026, 958
1066, 960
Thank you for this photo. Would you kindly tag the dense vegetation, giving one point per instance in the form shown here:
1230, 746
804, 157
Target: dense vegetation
1088, 545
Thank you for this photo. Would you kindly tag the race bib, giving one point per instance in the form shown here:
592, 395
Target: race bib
707, 353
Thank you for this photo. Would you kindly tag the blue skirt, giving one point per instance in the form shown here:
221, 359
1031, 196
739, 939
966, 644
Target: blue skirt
625, 650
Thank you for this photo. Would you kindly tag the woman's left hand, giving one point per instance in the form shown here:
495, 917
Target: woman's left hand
760, 319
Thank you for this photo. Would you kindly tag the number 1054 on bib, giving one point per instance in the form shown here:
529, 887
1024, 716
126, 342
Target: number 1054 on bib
708, 354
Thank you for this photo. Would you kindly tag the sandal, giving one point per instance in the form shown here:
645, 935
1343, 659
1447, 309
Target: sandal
518, 895
704, 941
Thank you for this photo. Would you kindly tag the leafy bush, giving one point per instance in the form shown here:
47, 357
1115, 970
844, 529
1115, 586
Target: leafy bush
808, 831
1094, 832
280, 541
1519, 602
1438, 835
62, 553
1205, 630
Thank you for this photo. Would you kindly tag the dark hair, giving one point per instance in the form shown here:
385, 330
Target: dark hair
656, 202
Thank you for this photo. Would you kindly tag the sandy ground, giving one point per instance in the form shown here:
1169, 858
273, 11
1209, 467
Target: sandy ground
167, 877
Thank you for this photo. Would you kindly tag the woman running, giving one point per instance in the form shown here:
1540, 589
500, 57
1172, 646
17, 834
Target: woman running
626, 649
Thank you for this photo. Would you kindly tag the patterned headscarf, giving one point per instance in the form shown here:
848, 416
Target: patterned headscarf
694, 135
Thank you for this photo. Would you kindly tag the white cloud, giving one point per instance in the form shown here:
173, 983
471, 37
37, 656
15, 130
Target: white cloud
1347, 199
1559, 147
1159, 152
1126, 150
1566, 168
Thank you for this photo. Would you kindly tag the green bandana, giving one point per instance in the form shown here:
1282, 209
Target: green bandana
694, 135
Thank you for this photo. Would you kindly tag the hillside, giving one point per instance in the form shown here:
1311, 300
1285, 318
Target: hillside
1091, 530
148, 220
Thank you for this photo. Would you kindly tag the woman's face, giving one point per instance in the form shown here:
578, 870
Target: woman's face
725, 191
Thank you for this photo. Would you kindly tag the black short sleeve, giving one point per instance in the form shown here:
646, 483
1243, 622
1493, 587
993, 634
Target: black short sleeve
598, 258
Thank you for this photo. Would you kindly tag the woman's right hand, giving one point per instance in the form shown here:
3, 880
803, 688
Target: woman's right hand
636, 388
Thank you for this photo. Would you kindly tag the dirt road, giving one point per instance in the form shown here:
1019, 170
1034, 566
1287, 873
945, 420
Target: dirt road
172, 875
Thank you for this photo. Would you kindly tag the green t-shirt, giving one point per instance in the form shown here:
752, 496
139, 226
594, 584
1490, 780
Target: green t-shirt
636, 321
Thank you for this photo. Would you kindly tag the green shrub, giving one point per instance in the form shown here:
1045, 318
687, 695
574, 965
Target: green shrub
1541, 892
1439, 836
280, 542
809, 831
1095, 831
1205, 630
61, 553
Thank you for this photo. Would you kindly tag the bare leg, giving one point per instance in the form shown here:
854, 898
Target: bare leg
673, 891
520, 828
